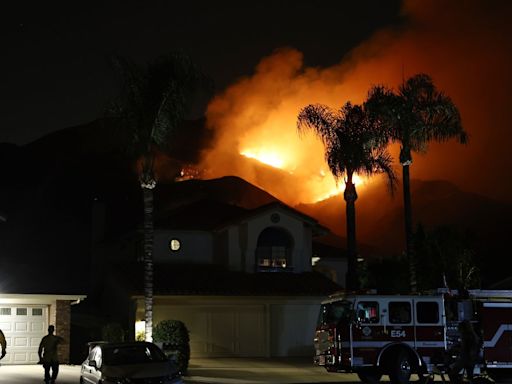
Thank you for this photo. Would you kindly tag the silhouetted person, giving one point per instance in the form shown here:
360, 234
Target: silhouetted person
3, 344
468, 354
48, 355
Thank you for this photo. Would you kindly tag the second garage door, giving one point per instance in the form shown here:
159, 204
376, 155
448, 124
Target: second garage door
217, 331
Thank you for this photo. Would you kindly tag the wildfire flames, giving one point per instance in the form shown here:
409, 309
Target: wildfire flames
326, 185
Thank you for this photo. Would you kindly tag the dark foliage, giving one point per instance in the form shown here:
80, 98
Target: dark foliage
175, 338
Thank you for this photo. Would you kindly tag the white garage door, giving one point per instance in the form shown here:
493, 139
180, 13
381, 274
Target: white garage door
24, 327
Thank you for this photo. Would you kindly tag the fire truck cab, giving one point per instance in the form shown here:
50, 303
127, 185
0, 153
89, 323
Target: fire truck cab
400, 335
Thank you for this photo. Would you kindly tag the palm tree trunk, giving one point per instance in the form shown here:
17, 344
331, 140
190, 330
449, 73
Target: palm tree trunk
406, 160
350, 196
148, 262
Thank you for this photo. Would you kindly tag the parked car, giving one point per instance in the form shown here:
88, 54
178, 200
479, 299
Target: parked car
130, 362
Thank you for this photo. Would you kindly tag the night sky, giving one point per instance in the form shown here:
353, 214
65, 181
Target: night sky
55, 72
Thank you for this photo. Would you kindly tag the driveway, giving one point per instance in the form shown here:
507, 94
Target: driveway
211, 371
34, 374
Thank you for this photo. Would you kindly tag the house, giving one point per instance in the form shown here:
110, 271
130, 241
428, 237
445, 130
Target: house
241, 279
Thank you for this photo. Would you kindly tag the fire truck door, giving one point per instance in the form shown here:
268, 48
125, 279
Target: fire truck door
400, 321
430, 332
367, 333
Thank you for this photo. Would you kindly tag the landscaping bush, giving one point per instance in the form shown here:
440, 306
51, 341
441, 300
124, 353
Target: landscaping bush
174, 336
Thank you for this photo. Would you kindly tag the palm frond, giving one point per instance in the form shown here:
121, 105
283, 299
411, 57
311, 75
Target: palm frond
319, 118
354, 140
417, 113
153, 100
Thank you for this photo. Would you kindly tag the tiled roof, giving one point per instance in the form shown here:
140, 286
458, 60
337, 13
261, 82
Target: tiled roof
212, 280
209, 214
200, 215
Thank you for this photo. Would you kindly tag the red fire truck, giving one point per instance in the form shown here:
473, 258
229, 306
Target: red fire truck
400, 335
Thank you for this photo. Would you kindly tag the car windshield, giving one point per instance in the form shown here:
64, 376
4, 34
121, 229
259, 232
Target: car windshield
132, 354
334, 312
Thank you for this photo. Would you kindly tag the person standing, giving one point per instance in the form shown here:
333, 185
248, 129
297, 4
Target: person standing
469, 350
48, 355
3, 344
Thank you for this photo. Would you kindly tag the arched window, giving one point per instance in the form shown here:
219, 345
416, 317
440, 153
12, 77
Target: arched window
274, 250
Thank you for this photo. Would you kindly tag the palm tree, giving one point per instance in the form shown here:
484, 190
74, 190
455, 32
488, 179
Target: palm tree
414, 116
353, 144
151, 109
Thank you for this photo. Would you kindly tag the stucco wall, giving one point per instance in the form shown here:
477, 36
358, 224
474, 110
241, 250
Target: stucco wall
196, 247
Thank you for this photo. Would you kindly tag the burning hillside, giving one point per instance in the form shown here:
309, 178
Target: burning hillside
255, 118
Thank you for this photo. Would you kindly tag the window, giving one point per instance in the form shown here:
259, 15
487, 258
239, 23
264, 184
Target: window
274, 249
427, 312
399, 312
174, 245
37, 311
367, 312
332, 313
272, 257
5, 311
21, 311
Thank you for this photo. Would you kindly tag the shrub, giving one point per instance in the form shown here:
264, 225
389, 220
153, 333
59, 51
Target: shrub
174, 336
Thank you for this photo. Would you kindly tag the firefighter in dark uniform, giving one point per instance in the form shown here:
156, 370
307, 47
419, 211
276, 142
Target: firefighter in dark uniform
468, 352
48, 355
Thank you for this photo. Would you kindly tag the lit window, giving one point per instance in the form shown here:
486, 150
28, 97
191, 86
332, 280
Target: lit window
367, 312
174, 245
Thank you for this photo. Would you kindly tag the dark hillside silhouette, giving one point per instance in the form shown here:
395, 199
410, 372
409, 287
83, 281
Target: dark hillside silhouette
56, 190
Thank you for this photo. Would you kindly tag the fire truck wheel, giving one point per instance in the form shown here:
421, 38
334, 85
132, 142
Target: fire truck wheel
402, 369
369, 376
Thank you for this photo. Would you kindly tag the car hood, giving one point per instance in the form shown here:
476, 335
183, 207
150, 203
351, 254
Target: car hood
138, 371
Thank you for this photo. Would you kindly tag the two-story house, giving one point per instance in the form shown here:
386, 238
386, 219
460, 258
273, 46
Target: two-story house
241, 279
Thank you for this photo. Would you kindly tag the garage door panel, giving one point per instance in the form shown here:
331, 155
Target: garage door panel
37, 326
221, 338
6, 327
21, 326
20, 357
20, 342
251, 328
